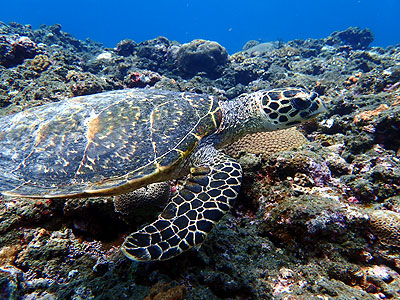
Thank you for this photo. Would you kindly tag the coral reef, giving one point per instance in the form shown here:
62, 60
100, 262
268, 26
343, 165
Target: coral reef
317, 222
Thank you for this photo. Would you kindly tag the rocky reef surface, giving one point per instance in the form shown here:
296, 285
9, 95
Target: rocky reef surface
318, 222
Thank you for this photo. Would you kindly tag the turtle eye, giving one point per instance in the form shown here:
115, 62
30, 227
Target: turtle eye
300, 103
313, 96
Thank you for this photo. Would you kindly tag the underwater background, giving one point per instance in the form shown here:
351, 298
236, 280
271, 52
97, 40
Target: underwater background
230, 23
318, 213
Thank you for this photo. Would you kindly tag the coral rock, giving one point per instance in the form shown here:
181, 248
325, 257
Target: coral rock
143, 201
368, 115
167, 291
155, 49
250, 44
356, 37
83, 83
202, 56
8, 254
126, 47
136, 79
14, 49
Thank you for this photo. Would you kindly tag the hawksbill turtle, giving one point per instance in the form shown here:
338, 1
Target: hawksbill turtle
118, 141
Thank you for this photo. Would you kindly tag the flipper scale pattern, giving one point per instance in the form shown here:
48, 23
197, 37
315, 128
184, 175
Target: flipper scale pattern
208, 193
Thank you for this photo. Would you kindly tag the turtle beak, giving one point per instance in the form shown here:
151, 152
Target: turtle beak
316, 107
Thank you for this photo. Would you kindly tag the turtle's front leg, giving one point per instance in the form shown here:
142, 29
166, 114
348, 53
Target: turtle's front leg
207, 194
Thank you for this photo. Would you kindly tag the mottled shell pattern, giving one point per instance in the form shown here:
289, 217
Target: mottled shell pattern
103, 144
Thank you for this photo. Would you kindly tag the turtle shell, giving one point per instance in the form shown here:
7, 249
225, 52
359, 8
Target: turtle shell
102, 144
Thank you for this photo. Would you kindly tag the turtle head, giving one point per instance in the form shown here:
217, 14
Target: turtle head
286, 107
267, 111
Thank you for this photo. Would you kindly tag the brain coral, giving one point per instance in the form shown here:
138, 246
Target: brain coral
385, 225
267, 143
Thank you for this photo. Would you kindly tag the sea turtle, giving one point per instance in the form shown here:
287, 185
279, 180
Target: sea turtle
118, 141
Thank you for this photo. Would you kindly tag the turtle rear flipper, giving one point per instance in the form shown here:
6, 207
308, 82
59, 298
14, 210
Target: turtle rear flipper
208, 193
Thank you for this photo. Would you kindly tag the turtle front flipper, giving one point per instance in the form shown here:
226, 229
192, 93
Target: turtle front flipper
207, 194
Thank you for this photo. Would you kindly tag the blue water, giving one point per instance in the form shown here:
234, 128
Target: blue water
231, 23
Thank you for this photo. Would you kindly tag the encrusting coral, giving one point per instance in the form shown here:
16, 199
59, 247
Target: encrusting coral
385, 225
267, 143
39, 63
